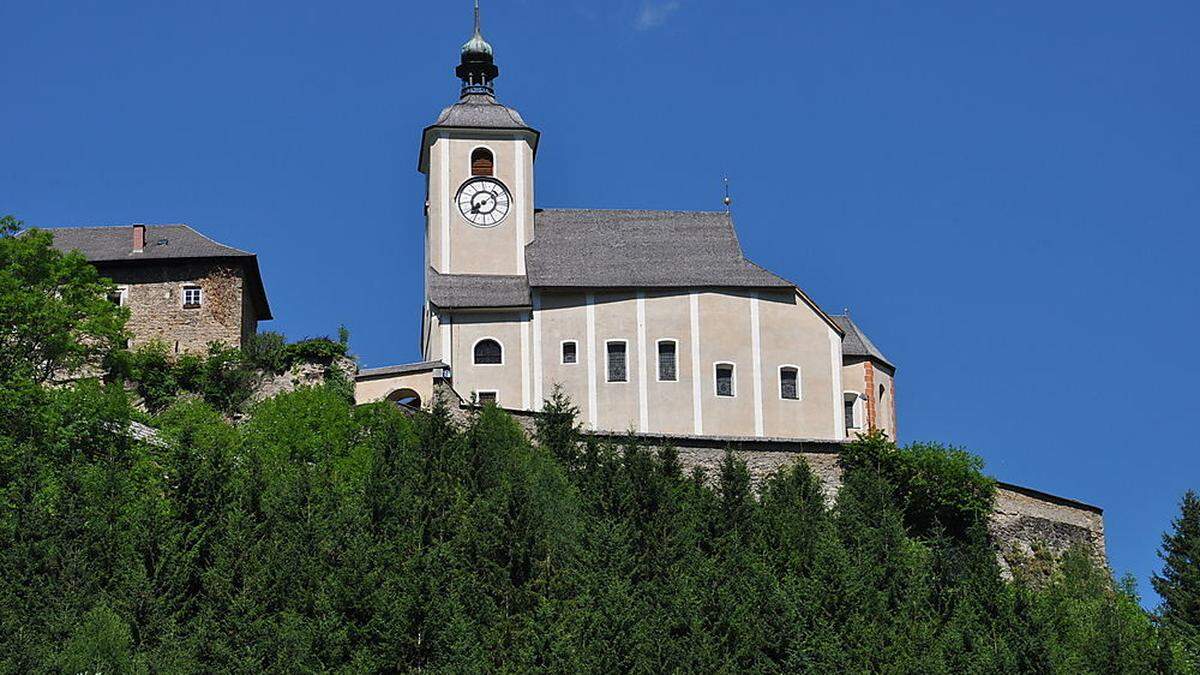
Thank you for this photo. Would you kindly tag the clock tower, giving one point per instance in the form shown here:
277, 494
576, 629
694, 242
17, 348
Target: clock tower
478, 162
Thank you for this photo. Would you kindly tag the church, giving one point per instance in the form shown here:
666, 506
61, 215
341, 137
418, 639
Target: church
650, 321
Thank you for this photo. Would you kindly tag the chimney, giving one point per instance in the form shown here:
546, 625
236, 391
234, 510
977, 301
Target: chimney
139, 237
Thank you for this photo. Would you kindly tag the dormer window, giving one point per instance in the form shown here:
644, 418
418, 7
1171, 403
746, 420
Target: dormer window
481, 162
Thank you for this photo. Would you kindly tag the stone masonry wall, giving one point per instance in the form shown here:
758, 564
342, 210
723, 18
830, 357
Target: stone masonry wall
155, 302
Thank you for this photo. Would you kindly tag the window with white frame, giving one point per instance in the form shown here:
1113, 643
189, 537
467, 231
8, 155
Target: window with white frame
192, 297
723, 372
789, 383
668, 366
570, 352
119, 296
853, 407
488, 352
617, 366
487, 397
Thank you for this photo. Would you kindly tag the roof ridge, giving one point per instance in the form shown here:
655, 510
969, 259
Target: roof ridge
566, 208
108, 227
218, 243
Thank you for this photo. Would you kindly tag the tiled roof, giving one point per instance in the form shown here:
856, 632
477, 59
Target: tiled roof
403, 369
588, 248
450, 291
856, 342
480, 111
115, 243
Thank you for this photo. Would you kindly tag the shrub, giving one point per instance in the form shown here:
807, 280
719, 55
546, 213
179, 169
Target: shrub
151, 368
938, 488
226, 383
268, 351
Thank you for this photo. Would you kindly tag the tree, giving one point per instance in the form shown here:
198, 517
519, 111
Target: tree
1179, 583
55, 316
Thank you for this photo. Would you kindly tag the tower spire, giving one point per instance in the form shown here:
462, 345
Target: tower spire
477, 68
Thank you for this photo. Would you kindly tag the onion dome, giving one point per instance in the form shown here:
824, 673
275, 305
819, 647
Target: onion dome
477, 70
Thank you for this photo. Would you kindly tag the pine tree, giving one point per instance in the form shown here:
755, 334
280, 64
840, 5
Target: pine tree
1179, 583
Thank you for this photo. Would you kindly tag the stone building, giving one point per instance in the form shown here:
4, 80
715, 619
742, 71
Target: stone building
181, 287
653, 322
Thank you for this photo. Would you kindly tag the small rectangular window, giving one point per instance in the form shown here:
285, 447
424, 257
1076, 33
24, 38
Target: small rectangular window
851, 411
117, 297
191, 296
617, 371
667, 372
789, 386
486, 397
569, 353
724, 379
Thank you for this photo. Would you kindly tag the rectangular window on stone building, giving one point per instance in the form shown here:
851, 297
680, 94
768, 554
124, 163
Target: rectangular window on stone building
191, 296
570, 353
118, 296
617, 370
667, 370
724, 374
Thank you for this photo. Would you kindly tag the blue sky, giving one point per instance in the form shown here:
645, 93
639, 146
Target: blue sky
1005, 195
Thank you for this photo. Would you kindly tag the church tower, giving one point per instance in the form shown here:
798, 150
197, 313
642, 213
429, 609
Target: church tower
478, 162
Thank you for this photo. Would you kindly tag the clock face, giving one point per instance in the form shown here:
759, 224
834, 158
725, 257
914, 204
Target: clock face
484, 201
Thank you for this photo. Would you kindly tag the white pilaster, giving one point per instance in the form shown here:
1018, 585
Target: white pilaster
697, 375
591, 360
756, 348
643, 410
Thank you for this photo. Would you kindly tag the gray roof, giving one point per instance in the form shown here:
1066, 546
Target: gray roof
856, 342
403, 369
583, 248
477, 290
113, 244
480, 111
475, 111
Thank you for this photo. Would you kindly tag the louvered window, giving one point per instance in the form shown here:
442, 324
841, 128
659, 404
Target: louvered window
481, 162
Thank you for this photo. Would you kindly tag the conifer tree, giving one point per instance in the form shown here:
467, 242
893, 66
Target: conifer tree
1179, 582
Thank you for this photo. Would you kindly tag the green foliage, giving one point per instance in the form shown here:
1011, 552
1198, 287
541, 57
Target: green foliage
271, 352
54, 312
268, 351
320, 536
1179, 582
938, 488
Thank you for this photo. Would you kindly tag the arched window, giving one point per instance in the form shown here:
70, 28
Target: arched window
481, 162
406, 398
488, 353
